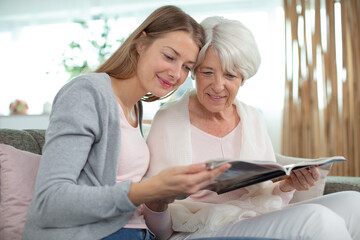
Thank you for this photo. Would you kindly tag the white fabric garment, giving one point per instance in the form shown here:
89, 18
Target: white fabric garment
193, 216
330, 217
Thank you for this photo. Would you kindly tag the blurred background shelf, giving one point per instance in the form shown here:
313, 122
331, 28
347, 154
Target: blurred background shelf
24, 121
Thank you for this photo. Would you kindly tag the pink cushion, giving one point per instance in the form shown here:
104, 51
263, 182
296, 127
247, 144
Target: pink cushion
18, 171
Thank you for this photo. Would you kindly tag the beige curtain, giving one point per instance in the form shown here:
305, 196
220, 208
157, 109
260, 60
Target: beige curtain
322, 97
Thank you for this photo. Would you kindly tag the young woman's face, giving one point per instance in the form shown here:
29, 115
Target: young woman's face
165, 64
216, 89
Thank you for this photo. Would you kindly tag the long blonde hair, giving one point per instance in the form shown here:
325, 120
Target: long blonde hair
123, 63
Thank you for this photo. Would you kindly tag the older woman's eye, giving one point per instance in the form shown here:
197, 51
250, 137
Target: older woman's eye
207, 73
230, 76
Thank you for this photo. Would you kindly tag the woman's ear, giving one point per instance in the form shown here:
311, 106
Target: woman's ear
242, 82
140, 45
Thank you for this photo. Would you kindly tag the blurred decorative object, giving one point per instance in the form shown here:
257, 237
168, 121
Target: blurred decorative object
18, 107
47, 108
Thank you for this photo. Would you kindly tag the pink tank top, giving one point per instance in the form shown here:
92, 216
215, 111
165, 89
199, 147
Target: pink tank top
133, 163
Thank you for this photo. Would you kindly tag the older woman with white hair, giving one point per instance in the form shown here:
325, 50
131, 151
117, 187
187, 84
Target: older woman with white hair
209, 122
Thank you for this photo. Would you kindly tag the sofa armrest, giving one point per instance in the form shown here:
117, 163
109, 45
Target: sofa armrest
341, 183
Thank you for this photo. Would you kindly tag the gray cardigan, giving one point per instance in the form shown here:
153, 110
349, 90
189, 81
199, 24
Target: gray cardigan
76, 196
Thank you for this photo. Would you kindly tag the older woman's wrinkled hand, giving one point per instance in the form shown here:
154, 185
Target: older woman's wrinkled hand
301, 180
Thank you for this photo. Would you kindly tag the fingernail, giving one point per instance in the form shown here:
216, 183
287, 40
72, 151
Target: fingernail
201, 165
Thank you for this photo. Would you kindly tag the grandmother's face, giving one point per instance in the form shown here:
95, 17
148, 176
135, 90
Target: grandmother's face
216, 89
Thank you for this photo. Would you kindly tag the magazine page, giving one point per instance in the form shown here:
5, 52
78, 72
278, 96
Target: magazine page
244, 173
313, 162
217, 162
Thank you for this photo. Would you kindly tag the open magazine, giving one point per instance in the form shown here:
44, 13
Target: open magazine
245, 173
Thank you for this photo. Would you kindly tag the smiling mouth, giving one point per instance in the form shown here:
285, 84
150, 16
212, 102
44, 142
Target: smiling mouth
165, 83
215, 97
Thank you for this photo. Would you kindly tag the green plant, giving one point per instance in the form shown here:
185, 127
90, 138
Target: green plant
70, 64
74, 61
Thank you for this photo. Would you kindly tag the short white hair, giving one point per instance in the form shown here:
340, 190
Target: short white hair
234, 43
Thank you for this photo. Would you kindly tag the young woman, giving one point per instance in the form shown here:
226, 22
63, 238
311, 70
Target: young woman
89, 182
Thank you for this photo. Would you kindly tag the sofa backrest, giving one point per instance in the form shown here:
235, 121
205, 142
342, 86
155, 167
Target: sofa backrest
31, 140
